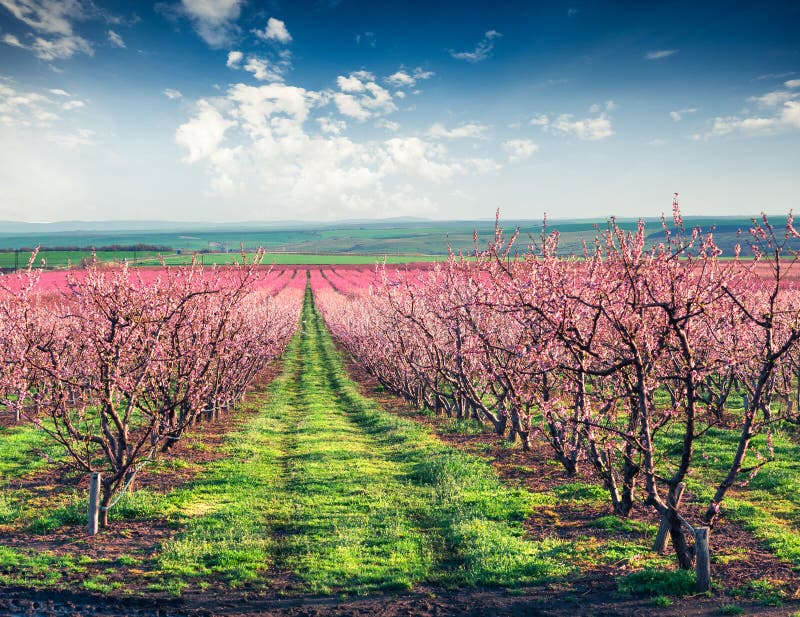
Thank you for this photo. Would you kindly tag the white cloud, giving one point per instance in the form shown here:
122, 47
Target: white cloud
540, 120
418, 158
660, 53
50, 16
350, 106
331, 125
275, 30
52, 20
33, 110
202, 135
213, 20
10, 39
115, 39
361, 98
482, 50
773, 99
263, 70
234, 59
172, 94
349, 84
519, 149
788, 118
389, 125
471, 130
402, 79
677, 115
61, 48
657, 142
587, 129
785, 116
792, 83
254, 141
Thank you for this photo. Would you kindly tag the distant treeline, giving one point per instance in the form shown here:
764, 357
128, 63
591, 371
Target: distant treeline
119, 248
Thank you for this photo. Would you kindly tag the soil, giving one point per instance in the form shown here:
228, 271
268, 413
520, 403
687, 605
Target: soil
593, 594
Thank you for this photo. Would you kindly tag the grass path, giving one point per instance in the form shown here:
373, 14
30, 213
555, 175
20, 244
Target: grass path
325, 486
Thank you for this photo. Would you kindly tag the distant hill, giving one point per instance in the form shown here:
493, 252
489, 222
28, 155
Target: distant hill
402, 235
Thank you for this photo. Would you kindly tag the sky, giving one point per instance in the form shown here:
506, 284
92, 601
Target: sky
240, 110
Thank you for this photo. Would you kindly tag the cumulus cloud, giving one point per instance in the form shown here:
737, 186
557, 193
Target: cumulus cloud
472, 130
416, 157
361, 98
482, 50
234, 59
389, 125
585, 129
213, 20
540, 120
792, 83
660, 54
262, 68
331, 125
202, 135
519, 149
402, 79
172, 94
775, 98
115, 39
256, 140
786, 118
275, 30
780, 113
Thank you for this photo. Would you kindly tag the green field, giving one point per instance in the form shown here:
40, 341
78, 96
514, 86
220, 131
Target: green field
318, 243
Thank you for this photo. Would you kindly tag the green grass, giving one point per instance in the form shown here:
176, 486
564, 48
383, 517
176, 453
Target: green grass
348, 498
62, 259
656, 582
769, 506
24, 449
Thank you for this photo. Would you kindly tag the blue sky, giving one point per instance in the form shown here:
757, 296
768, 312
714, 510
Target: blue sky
236, 110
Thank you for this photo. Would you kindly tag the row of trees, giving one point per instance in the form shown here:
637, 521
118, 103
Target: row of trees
115, 368
621, 361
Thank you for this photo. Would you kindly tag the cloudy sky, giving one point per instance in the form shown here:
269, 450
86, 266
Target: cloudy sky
249, 110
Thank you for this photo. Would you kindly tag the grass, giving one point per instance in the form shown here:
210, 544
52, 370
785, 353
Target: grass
348, 498
769, 506
64, 259
659, 583
24, 449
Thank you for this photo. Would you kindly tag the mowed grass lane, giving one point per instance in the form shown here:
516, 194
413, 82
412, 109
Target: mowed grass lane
326, 487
